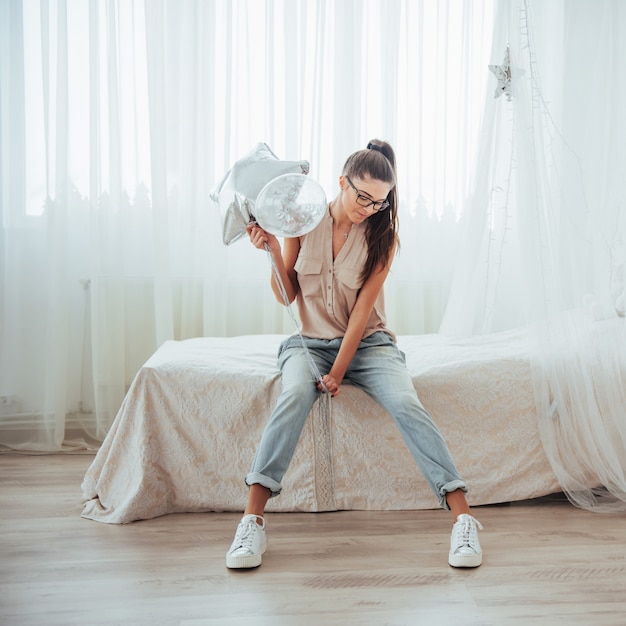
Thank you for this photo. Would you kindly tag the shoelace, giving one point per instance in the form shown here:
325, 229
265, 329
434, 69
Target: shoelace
466, 534
245, 535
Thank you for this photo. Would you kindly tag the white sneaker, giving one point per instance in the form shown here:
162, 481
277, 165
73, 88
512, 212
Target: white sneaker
249, 544
465, 550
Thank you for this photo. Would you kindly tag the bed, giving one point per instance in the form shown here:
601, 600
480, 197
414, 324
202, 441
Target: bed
187, 430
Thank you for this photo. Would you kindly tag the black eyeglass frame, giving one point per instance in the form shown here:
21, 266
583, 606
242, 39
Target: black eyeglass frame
365, 202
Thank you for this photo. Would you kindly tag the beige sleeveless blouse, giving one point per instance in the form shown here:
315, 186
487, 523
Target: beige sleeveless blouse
329, 289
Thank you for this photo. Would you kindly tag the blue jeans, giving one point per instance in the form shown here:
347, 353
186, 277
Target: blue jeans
379, 368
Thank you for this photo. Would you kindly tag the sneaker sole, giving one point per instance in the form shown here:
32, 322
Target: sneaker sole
465, 560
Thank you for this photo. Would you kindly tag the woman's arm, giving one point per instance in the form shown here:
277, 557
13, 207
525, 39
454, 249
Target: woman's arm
356, 327
284, 260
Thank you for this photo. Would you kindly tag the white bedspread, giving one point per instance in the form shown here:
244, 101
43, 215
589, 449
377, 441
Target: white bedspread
188, 428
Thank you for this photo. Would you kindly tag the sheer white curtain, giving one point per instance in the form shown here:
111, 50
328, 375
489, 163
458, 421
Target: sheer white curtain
545, 232
117, 118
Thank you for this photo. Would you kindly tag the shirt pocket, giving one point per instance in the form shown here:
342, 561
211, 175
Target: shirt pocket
309, 276
350, 281
349, 277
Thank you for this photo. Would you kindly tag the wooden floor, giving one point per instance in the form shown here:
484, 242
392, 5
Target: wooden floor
546, 562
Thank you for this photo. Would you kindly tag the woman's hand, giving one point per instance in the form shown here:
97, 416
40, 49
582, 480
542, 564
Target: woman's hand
332, 385
260, 238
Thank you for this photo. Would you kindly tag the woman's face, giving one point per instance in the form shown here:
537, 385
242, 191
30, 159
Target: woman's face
358, 192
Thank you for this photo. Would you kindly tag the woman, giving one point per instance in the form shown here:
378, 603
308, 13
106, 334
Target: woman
336, 275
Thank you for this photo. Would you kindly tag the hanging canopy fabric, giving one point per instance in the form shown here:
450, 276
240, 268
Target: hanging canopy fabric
545, 232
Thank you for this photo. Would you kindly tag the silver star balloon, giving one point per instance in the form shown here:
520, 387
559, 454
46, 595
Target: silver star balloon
236, 193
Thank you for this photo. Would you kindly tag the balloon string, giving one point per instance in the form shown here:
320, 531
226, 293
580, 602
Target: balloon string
283, 292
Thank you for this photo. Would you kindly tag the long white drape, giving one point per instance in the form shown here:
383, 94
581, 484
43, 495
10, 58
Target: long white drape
545, 232
118, 117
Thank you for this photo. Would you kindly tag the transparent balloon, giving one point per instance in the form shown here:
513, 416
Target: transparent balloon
290, 205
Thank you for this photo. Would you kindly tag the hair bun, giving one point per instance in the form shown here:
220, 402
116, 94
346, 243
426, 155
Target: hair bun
373, 146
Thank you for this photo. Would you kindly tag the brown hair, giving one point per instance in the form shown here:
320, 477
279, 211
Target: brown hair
377, 161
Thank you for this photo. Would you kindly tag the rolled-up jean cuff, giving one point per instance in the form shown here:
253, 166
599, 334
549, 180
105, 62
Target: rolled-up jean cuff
453, 485
259, 479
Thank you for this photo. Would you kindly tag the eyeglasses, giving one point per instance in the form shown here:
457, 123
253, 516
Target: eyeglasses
364, 201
